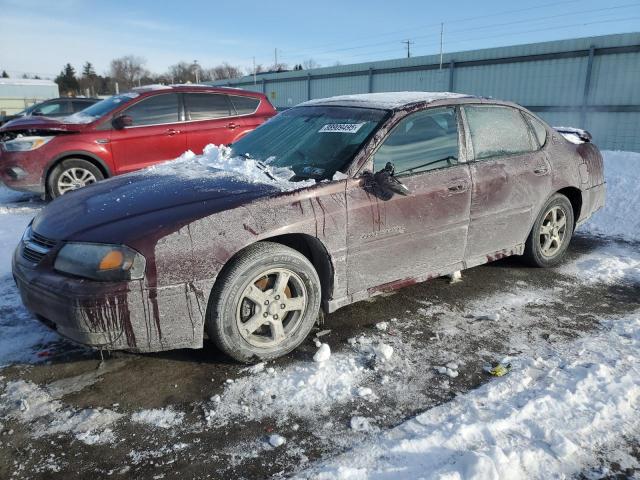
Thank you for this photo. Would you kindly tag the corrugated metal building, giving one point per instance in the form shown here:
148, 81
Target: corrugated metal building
16, 94
591, 82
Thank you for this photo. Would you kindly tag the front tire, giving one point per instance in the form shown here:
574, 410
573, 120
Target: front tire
264, 303
71, 174
551, 233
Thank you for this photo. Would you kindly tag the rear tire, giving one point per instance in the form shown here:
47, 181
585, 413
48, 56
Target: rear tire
264, 304
551, 233
71, 174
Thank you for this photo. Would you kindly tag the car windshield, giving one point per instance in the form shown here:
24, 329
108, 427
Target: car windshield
315, 142
105, 106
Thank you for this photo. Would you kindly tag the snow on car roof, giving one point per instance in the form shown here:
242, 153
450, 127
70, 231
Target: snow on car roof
386, 100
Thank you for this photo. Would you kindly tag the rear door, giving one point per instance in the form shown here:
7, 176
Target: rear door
210, 118
157, 133
395, 242
511, 178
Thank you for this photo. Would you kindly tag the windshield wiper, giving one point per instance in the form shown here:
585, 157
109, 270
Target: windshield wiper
261, 165
448, 159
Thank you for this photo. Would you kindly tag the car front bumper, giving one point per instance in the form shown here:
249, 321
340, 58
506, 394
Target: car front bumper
112, 316
22, 171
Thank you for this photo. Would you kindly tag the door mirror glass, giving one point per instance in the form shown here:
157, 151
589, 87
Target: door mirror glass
121, 122
383, 184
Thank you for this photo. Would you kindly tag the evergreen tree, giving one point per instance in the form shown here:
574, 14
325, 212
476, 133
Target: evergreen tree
88, 71
5, 74
67, 80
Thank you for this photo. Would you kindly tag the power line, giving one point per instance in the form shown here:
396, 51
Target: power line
435, 26
493, 25
504, 35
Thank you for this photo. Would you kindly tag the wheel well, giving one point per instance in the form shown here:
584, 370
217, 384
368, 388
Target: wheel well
575, 197
79, 156
316, 253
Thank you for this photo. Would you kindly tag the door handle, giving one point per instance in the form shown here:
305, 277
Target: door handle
541, 170
232, 126
172, 131
458, 187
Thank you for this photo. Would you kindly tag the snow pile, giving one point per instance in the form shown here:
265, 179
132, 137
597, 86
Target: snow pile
548, 418
302, 389
621, 215
29, 403
276, 440
159, 417
611, 263
217, 160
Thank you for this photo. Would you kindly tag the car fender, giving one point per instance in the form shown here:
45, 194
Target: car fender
73, 153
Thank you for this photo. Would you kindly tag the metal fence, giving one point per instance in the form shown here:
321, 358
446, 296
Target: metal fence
592, 82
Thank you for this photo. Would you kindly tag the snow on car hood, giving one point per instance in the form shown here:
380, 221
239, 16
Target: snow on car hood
217, 160
168, 194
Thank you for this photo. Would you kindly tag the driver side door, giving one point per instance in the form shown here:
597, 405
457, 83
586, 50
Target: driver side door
407, 239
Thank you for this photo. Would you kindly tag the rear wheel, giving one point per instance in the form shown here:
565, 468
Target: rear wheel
551, 233
71, 174
264, 304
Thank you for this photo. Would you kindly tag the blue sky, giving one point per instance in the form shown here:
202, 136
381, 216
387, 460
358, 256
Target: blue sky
39, 36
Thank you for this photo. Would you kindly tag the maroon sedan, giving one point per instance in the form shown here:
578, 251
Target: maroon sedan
326, 204
124, 133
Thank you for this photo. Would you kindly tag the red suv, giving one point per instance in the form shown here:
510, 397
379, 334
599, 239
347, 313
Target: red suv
123, 133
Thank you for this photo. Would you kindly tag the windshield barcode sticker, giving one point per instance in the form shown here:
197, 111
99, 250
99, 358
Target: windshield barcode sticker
341, 128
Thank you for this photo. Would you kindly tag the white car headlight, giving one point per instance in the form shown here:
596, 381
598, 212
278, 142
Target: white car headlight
26, 144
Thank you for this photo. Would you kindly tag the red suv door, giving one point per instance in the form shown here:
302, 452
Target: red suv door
214, 118
156, 134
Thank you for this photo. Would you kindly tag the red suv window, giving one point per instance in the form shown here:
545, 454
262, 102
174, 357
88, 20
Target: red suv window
244, 105
155, 110
204, 106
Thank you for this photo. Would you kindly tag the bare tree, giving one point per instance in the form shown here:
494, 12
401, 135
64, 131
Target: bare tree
181, 72
224, 71
310, 63
128, 70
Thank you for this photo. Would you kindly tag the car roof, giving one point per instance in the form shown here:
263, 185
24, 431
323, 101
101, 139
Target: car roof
386, 100
192, 87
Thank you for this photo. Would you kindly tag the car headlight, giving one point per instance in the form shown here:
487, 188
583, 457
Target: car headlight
109, 263
25, 144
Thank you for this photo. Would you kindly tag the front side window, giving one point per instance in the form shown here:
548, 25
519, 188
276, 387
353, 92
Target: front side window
498, 131
206, 106
421, 142
155, 110
314, 141
53, 108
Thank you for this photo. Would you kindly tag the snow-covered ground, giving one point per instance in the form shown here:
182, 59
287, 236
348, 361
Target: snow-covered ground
562, 404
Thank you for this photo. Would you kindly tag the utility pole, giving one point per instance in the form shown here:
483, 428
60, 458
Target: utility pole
408, 43
441, 37
195, 66
275, 56
255, 81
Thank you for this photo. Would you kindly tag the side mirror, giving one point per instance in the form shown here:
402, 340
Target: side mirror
384, 184
121, 122
37, 113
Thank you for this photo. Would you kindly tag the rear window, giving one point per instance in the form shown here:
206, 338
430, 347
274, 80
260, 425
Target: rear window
155, 110
205, 106
244, 105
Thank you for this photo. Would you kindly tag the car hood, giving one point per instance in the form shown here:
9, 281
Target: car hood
129, 206
41, 123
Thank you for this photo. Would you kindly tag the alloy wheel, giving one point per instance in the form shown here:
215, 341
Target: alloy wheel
553, 231
74, 178
271, 307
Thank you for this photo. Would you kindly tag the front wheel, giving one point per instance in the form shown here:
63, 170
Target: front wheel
551, 233
264, 304
71, 174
